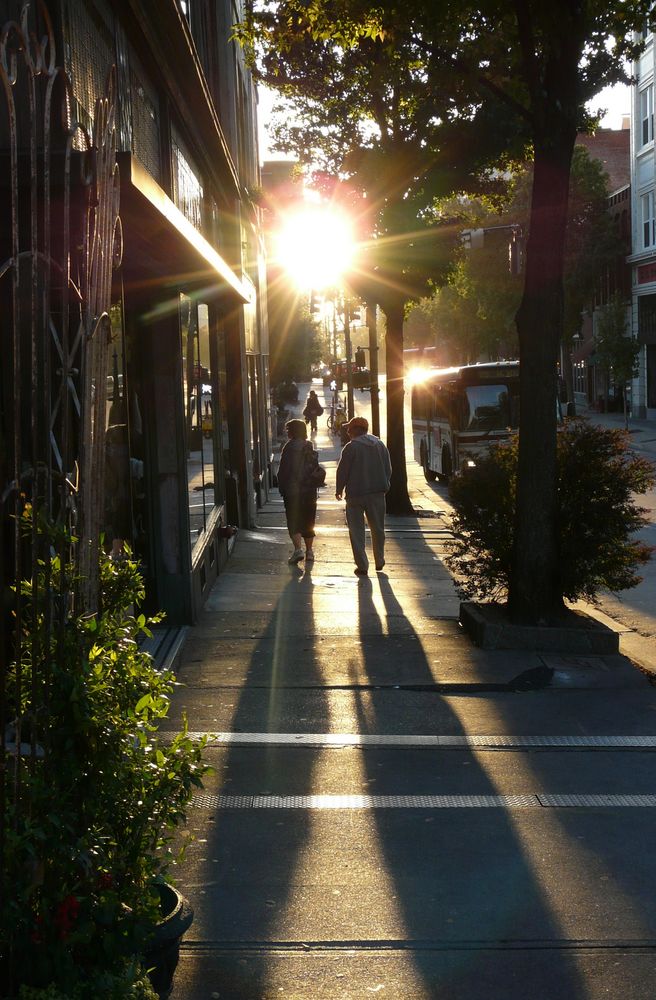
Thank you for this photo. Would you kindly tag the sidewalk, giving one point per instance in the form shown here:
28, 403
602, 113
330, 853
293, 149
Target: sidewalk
631, 614
642, 432
386, 811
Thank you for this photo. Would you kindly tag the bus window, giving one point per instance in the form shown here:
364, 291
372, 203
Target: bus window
442, 399
485, 408
419, 397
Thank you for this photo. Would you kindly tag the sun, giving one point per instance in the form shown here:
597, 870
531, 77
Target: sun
315, 247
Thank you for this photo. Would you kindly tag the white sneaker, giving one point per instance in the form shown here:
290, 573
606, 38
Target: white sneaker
295, 557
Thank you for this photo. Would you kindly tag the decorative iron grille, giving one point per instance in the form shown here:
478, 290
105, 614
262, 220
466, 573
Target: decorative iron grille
60, 237
145, 118
187, 185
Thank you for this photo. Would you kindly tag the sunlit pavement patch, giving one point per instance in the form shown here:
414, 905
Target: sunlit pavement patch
369, 802
473, 741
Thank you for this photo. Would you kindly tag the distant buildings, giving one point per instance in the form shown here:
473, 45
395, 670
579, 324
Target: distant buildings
643, 204
612, 149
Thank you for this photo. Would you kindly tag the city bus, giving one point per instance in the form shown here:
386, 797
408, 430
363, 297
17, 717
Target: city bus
457, 413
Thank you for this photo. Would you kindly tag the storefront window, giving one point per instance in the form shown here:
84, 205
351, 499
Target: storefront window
199, 415
124, 492
224, 437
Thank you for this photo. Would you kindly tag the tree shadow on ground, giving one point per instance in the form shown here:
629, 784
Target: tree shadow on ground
242, 874
462, 881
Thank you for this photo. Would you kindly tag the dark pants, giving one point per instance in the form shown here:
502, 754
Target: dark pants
301, 513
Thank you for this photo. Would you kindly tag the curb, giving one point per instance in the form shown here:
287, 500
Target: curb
488, 627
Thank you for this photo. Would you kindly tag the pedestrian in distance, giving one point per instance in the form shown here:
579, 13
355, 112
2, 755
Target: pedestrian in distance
313, 409
297, 459
363, 473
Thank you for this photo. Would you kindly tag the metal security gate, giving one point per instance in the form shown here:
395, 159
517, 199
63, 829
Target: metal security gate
59, 240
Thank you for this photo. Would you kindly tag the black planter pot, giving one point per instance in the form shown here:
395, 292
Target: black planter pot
162, 954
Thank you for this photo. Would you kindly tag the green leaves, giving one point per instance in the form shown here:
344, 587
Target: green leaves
598, 477
104, 802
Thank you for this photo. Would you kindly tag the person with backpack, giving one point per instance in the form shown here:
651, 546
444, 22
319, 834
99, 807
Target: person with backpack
313, 409
299, 476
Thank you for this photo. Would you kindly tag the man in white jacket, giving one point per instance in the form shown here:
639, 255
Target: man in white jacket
364, 473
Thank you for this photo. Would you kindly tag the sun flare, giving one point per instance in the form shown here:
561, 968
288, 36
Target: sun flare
315, 247
415, 376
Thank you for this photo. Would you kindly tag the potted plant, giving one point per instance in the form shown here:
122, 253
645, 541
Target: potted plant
90, 839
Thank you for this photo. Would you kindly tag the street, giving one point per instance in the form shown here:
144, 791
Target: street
394, 812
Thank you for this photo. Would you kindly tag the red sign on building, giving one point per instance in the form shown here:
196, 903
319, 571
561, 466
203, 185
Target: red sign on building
646, 273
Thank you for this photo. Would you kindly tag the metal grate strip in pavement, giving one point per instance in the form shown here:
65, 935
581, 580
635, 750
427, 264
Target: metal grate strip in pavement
471, 741
598, 801
345, 802
205, 801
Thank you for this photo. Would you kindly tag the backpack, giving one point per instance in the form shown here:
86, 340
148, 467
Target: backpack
314, 475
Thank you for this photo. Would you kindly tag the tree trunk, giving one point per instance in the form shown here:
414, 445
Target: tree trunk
535, 594
398, 501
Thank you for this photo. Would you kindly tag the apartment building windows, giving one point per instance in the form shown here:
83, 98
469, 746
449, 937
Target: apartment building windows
648, 221
647, 115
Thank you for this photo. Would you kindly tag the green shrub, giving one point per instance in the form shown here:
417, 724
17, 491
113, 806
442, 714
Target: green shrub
129, 983
598, 477
95, 821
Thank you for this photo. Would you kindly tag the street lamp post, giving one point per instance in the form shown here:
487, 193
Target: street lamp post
373, 367
349, 364
576, 343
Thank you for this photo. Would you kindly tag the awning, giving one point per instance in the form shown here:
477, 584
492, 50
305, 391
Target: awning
160, 244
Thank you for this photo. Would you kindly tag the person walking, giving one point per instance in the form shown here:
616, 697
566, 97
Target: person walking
363, 473
313, 409
300, 498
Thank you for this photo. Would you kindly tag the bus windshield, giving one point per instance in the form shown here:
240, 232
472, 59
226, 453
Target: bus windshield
487, 408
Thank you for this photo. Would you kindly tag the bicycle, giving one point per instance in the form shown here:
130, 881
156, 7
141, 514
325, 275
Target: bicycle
337, 414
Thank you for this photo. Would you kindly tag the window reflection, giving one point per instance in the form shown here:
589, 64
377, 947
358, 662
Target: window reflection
486, 408
199, 413
124, 488
224, 437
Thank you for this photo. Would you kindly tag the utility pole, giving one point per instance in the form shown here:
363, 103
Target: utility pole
349, 366
373, 367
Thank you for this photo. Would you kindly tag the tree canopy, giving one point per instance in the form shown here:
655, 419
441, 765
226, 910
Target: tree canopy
423, 99
472, 316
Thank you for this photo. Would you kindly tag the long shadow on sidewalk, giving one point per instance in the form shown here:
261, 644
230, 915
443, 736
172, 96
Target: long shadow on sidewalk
242, 886
462, 883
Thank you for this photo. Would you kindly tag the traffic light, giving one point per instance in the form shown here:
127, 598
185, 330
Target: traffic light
315, 305
360, 361
355, 315
472, 239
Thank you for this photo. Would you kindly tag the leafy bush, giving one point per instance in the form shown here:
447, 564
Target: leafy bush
597, 478
95, 820
129, 983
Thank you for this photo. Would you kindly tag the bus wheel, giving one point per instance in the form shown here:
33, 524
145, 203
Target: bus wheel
447, 468
429, 475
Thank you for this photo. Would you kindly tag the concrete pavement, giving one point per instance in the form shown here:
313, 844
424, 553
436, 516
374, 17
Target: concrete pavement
394, 812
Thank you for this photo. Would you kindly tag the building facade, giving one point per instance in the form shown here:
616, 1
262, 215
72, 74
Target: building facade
593, 385
133, 280
643, 255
